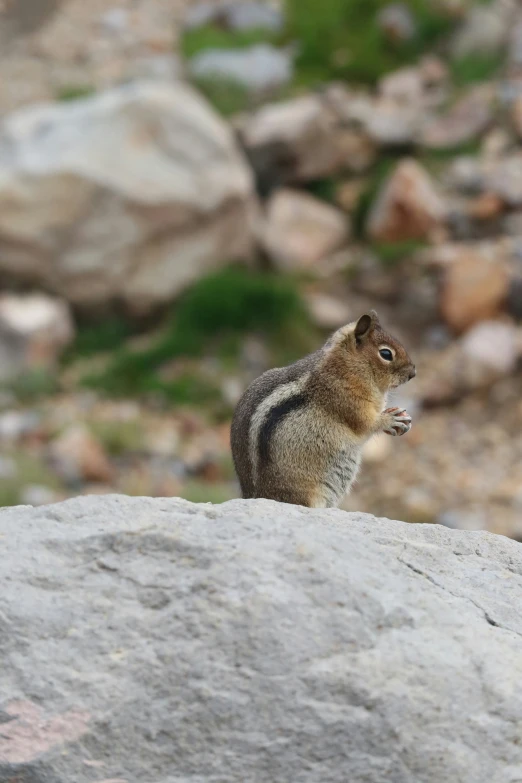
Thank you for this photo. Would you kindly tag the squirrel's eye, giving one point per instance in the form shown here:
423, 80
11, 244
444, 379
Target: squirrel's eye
386, 354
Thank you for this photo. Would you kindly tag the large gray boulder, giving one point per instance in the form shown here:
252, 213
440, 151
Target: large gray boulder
157, 641
130, 195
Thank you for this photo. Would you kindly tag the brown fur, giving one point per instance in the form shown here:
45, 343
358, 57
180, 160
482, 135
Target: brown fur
298, 431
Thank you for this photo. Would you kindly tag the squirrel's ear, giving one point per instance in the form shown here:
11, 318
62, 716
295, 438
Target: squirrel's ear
364, 325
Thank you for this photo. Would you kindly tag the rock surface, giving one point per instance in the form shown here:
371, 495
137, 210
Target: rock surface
34, 331
257, 68
160, 640
408, 206
127, 196
300, 230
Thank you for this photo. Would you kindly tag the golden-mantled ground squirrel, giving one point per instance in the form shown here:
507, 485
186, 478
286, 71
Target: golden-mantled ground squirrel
298, 431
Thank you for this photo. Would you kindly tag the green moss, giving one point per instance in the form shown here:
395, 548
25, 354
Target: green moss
93, 338
341, 39
34, 385
75, 92
227, 97
201, 39
204, 492
324, 189
210, 317
119, 437
475, 68
392, 253
29, 470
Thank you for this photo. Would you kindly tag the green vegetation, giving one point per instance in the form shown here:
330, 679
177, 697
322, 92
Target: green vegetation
341, 39
475, 68
203, 492
214, 37
119, 437
208, 320
227, 97
105, 335
392, 253
33, 385
29, 470
74, 92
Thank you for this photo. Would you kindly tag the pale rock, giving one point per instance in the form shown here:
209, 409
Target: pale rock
245, 15
258, 68
434, 71
328, 312
489, 351
515, 43
485, 30
37, 495
16, 425
467, 119
388, 122
408, 206
248, 15
34, 331
475, 284
305, 138
130, 196
405, 85
159, 640
232, 390
348, 194
517, 116
421, 88
299, 230
78, 456
505, 179
397, 23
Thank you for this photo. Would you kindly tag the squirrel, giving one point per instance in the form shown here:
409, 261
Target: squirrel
298, 431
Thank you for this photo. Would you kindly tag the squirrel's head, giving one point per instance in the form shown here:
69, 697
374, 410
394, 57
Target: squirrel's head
364, 348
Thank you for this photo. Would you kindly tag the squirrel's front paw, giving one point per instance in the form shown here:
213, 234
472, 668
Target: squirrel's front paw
397, 421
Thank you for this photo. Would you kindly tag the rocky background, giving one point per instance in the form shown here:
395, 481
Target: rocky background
193, 192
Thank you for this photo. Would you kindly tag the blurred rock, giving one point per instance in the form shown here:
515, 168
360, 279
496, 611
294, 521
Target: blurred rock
517, 116
515, 43
388, 122
34, 330
505, 179
15, 425
485, 29
466, 120
158, 67
348, 194
490, 351
258, 68
303, 139
128, 196
37, 495
408, 206
397, 23
463, 520
405, 85
299, 230
235, 16
486, 207
78, 456
475, 284
327, 311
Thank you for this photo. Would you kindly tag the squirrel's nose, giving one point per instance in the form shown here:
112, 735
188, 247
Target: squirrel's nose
413, 372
